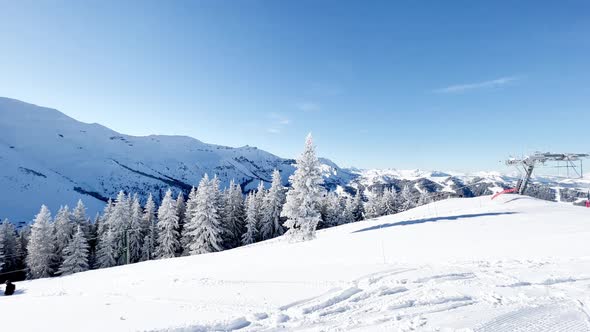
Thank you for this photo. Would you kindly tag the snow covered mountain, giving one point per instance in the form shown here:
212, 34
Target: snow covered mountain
470, 264
454, 184
49, 158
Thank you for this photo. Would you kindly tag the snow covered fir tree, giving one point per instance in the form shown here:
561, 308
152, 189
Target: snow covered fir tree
210, 219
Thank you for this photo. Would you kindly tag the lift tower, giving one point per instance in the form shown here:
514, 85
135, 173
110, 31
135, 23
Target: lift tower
528, 164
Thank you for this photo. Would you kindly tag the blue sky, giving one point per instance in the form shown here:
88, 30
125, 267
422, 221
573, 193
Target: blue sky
451, 85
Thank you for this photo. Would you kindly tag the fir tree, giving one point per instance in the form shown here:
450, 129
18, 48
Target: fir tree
233, 215
271, 209
389, 201
62, 231
357, 207
374, 206
204, 229
424, 198
168, 244
149, 228
347, 213
105, 255
181, 213
251, 234
79, 218
303, 199
333, 210
75, 254
136, 234
41, 249
119, 220
104, 219
22, 242
8, 246
407, 199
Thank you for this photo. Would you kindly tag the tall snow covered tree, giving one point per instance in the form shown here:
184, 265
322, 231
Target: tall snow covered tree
136, 231
22, 242
8, 246
252, 210
79, 218
41, 249
407, 199
271, 209
389, 201
119, 220
347, 207
424, 198
233, 216
62, 230
204, 231
374, 206
181, 213
103, 221
168, 243
357, 207
332, 210
75, 254
191, 207
302, 206
149, 228
105, 254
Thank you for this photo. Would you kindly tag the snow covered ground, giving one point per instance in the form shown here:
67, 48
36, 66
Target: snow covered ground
468, 264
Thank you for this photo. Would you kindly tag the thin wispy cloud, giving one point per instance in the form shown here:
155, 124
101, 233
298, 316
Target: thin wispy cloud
458, 88
278, 122
308, 107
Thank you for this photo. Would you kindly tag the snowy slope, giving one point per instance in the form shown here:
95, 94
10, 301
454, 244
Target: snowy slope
452, 184
472, 264
48, 157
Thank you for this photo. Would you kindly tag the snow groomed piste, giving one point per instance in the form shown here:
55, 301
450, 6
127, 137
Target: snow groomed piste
469, 264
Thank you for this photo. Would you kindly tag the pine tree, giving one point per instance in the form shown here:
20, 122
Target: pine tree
149, 228
251, 234
181, 213
104, 219
75, 254
424, 198
357, 207
62, 231
374, 206
347, 216
333, 210
119, 220
271, 209
136, 233
105, 255
22, 242
41, 249
79, 218
389, 201
303, 199
168, 244
8, 246
204, 230
407, 199
233, 216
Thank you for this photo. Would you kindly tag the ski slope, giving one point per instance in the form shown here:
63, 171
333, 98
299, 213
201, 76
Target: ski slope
470, 264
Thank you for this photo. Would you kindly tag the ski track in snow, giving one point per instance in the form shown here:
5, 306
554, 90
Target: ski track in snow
406, 299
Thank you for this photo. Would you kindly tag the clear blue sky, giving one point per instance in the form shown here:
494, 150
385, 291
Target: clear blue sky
450, 85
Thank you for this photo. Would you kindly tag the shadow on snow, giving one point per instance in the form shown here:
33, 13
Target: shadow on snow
421, 221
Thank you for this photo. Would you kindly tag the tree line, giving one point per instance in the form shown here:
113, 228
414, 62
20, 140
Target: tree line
208, 220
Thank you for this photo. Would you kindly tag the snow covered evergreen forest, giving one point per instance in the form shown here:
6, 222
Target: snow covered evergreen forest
210, 219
